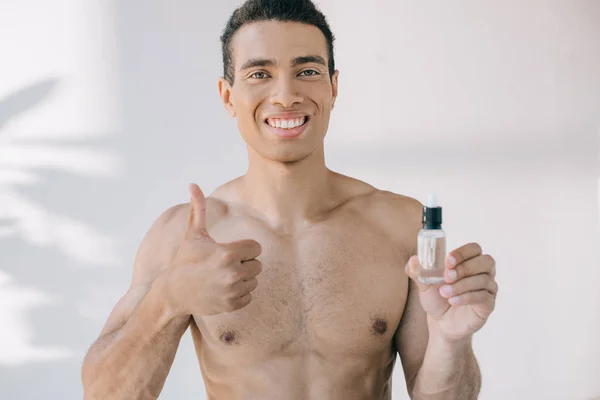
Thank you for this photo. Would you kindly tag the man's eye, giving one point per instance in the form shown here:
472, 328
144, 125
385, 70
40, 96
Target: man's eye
259, 75
309, 72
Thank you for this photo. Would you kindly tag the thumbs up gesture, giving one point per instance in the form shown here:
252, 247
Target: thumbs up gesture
207, 277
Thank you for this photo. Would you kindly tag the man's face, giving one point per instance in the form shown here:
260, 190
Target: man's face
281, 81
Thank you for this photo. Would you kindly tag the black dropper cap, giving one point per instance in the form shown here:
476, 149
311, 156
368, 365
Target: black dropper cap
432, 214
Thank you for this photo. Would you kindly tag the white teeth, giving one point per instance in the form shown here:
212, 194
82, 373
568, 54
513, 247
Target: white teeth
286, 123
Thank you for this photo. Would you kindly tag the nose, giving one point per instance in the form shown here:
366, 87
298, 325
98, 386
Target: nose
286, 93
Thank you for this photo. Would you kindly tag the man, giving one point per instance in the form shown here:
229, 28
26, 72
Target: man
296, 282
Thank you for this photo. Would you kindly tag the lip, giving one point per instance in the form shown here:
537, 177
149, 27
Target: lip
287, 115
288, 133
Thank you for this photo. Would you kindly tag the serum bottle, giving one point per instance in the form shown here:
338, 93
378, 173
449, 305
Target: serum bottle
431, 244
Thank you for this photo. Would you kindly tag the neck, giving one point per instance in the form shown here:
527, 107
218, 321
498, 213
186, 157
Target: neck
288, 194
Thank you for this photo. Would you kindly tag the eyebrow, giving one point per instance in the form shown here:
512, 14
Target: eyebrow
308, 59
269, 62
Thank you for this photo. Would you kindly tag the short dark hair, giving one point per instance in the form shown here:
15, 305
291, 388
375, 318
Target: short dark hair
303, 11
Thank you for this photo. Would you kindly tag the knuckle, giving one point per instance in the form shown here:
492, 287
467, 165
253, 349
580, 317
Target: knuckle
259, 267
489, 260
471, 283
232, 304
232, 276
253, 284
252, 268
467, 269
460, 272
481, 282
494, 287
487, 298
228, 255
476, 247
231, 292
258, 246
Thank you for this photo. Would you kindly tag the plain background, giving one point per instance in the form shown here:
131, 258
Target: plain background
109, 109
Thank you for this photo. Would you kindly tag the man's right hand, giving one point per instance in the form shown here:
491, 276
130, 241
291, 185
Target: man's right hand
206, 277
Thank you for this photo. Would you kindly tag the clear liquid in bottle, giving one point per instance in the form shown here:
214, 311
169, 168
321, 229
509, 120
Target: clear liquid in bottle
431, 244
432, 255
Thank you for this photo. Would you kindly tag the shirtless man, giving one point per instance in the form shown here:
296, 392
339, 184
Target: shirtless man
296, 282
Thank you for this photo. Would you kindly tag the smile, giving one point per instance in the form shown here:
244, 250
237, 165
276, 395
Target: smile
287, 127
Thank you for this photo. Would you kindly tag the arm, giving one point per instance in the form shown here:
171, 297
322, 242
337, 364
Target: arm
434, 335
135, 350
435, 369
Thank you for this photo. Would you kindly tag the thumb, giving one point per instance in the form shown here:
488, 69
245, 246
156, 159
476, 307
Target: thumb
197, 221
412, 270
431, 300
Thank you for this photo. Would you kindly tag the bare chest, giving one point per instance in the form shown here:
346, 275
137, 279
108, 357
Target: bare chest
336, 288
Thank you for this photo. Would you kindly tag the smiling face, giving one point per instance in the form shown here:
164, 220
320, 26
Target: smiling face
282, 95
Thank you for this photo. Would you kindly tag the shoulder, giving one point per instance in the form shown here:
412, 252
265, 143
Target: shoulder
399, 216
391, 211
165, 235
398, 209
171, 224
387, 202
377, 200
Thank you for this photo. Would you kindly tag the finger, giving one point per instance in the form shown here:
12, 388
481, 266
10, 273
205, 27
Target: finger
472, 298
482, 302
462, 254
484, 264
245, 249
470, 284
235, 272
245, 287
196, 228
250, 269
240, 302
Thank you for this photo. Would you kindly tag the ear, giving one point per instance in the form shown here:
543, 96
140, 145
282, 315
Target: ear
334, 85
226, 98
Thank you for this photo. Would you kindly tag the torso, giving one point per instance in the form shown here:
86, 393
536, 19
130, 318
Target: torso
322, 320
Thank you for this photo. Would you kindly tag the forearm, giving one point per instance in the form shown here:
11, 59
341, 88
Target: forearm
134, 361
449, 372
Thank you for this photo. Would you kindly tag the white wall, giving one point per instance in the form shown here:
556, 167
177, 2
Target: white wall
109, 109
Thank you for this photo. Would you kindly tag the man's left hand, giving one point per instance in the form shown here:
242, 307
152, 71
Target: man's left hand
460, 306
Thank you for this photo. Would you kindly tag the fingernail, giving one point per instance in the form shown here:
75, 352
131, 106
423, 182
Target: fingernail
451, 261
446, 290
451, 275
454, 300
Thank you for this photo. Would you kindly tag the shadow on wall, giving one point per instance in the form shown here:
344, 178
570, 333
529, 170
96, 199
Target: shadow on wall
43, 245
29, 220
